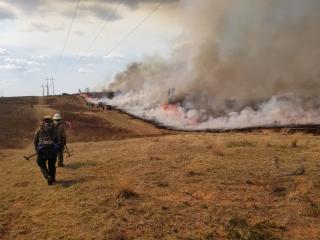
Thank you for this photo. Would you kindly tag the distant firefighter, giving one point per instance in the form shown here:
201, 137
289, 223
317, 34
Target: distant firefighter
47, 145
90, 105
101, 105
62, 136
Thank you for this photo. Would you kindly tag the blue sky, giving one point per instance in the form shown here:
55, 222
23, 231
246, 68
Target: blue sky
33, 33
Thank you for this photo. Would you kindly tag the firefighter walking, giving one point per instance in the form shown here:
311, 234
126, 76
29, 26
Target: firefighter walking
62, 136
47, 145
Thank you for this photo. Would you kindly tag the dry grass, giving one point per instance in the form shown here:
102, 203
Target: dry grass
126, 189
294, 143
217, 149
165, 187
240, 229
242, 143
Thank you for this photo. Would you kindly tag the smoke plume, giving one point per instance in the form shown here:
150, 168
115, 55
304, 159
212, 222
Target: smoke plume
237, 64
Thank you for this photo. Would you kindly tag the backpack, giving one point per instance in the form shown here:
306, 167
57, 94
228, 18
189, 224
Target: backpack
47, 134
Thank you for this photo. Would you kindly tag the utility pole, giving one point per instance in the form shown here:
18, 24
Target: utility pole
48, 92
43, 86
52, 81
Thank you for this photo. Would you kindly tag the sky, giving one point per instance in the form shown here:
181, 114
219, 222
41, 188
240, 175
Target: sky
34, 32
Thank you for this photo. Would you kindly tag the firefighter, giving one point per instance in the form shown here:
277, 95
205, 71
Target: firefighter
62, 136
47, 145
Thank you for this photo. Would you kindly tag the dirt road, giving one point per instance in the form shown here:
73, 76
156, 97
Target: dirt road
129, 180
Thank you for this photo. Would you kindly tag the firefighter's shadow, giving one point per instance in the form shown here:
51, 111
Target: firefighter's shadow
77, 165
72, 182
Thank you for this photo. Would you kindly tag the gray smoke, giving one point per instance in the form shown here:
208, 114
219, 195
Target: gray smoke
234, 58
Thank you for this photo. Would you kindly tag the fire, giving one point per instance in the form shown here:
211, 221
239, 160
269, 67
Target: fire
170, 107
174, 111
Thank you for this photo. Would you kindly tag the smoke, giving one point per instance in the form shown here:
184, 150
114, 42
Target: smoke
238, 64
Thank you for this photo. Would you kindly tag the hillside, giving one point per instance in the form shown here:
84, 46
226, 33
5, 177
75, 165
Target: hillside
130, 180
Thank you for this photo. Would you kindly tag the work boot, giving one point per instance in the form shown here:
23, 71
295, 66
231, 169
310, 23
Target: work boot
50, 180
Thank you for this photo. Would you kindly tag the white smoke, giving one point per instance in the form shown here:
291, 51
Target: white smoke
277, 111
238, 64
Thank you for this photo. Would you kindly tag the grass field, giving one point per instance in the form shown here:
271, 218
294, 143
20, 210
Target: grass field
129, 180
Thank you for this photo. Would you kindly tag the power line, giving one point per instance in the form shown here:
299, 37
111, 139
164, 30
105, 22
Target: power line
136, 27
144, 19
98, 34
102, 28
68, 34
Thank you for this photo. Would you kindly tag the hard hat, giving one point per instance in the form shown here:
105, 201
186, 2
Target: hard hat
48, 117
57, 116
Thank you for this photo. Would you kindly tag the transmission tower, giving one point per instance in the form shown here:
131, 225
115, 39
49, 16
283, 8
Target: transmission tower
48, 90
42, 86
52, 82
